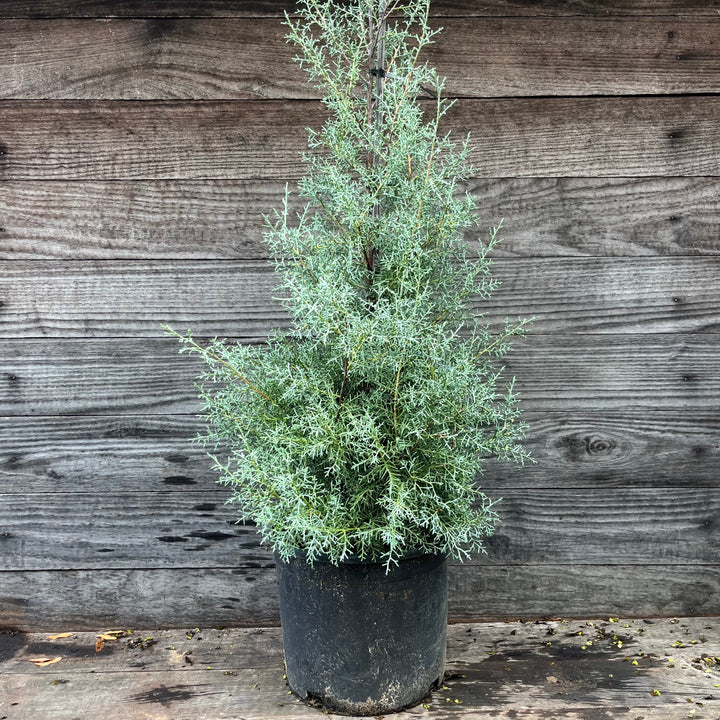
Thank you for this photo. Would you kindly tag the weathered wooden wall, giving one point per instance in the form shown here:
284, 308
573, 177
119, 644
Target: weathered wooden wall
140, 144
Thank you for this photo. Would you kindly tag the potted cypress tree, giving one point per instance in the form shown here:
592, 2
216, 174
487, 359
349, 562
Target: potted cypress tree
355, 438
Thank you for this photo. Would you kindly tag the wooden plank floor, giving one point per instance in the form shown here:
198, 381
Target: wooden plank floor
608, 669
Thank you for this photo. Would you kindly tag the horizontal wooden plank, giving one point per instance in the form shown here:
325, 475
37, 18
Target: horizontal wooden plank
211, 59
615, 372
218, 673
263, 695
240, 648
241, 298
276, 8
558, 137
589, 526
220, 647
132, 530
609, 449
583, 373
602, 217
181, 292
137, 220
586, 526
120, 140
223, 219
574, 56
104, 454
187, 598
155, 453
149, 59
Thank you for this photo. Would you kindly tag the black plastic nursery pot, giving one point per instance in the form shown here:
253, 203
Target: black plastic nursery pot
360, 640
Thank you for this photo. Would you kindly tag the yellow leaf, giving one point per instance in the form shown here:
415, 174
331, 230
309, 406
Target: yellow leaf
51, 662
43, 661
60, 636
99, 644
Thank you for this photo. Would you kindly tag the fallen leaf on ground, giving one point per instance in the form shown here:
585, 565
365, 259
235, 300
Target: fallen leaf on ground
99, 644
43, 661
60, 636
551, 679
111, 634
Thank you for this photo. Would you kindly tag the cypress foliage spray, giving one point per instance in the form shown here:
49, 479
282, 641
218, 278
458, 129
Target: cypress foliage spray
364, 427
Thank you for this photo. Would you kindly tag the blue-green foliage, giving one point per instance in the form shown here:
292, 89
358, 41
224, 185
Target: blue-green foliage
363, 429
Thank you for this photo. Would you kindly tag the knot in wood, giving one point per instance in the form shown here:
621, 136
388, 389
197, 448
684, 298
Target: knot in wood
598, 445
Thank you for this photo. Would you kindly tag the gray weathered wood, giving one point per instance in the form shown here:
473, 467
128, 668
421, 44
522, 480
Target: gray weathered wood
144, 650
145, 452
584, 373
563, 668
136, 220
249, 58
224, 219
559, 137
125, 298
242, 597
264, 8
102, 520
615, 372
608, 449
263, 695
602, 217
213, 694
104, 454
586, 526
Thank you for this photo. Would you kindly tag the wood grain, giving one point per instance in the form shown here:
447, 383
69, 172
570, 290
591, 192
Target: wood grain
241, 298
121, 454
586, 526
104, 454
132, 530
246, 597
558, 137
583, 373
615, 372
624, 217
138, 220
611, 449
263, 695
223, 219
264, 8
212, 59
240, 648
216, 673
188, 700
137, 156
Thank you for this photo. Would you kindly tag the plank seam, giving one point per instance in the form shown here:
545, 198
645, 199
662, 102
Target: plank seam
316, 101
274, 17
270, 566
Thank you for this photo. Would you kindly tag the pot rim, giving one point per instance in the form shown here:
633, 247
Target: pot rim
353, 559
